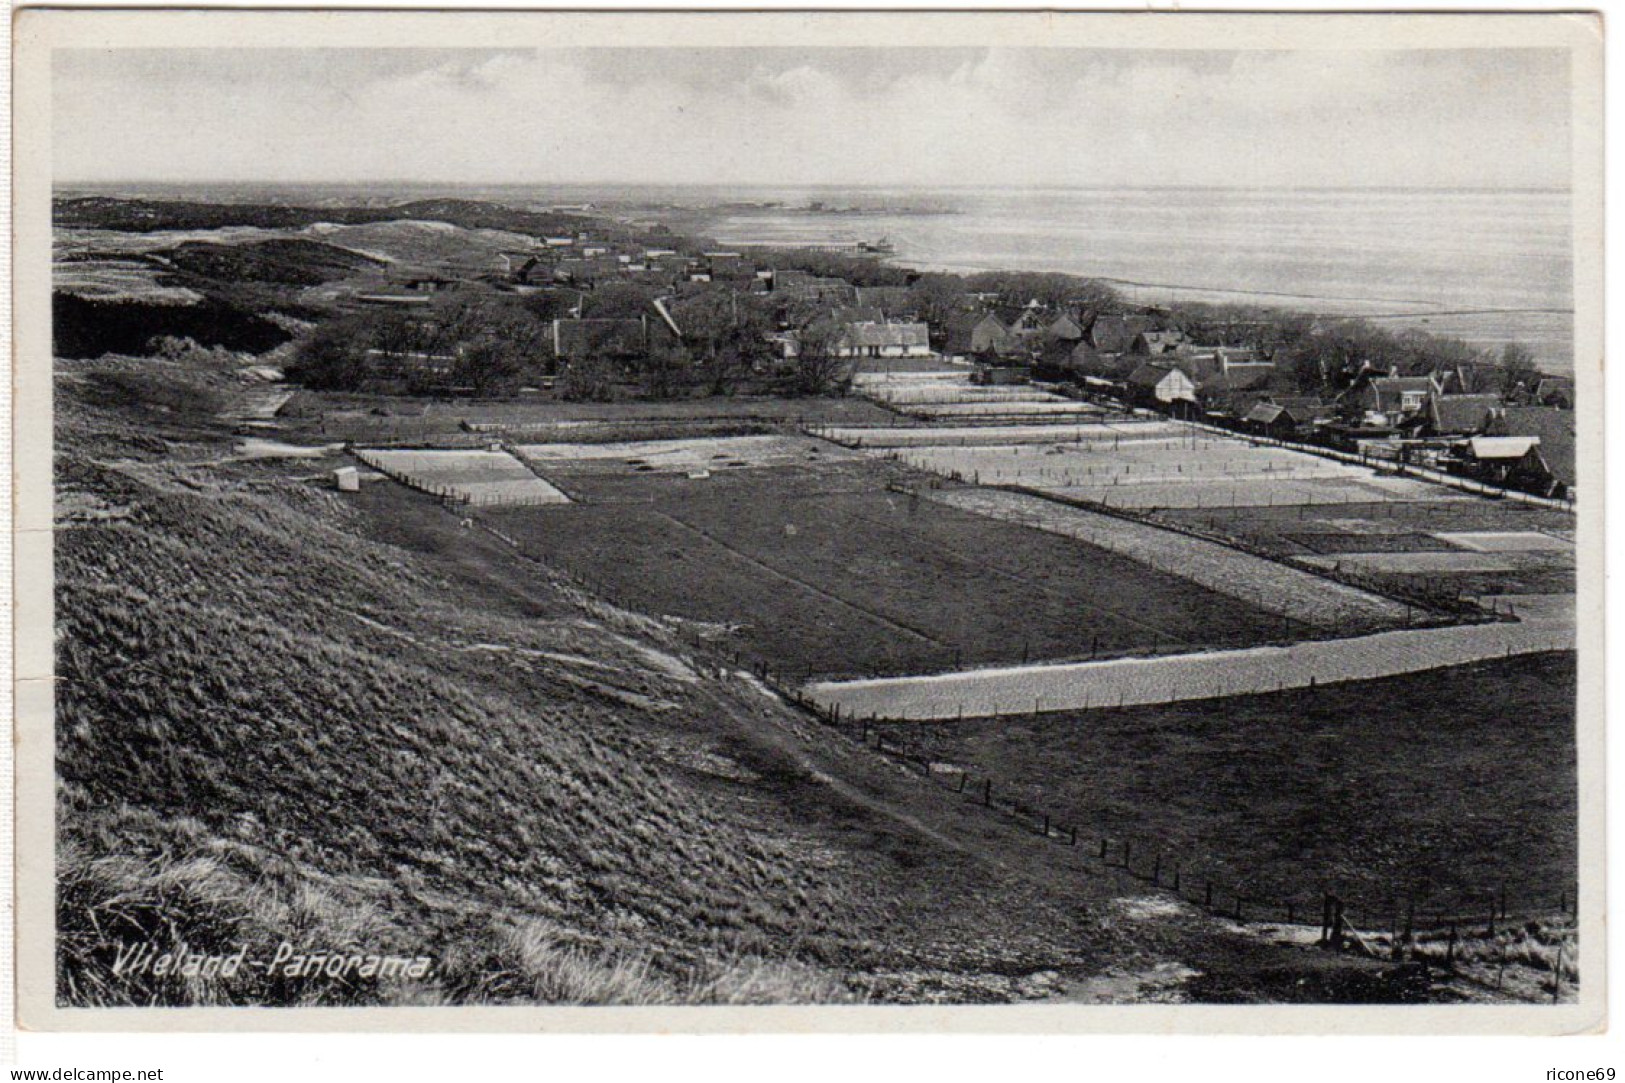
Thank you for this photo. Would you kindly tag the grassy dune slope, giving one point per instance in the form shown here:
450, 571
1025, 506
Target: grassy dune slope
354, 727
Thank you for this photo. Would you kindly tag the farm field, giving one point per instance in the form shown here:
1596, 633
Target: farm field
387, 418
1034, 689
951, 396
1286, 794
1109, 432
1471, 545
818, 570
473, 477
948, 411
680, 456
1122, 467
1278, 588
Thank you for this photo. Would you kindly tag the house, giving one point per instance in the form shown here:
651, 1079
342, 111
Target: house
1515, 462
1461, 415
1395, 397
884, 340
1115, 334
1554, 426
1162, 386
1233, 393
1028, 323
1287, 417
1064, 329
990, 335
1271, 419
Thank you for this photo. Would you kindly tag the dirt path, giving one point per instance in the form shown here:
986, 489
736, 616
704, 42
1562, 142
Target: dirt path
1123, 682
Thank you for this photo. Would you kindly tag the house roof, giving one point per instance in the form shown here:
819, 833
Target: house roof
1246, 378
890, 298
859, 335
1502, 447
1465, 414
1396, 384
1065, 328
1149, 375
1114, 334
1267, 413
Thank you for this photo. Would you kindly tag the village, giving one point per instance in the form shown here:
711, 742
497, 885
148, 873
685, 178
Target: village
927, 512
613, 309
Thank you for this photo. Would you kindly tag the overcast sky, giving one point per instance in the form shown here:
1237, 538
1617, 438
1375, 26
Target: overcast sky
1052, 117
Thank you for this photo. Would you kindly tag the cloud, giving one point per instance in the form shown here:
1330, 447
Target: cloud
804, 117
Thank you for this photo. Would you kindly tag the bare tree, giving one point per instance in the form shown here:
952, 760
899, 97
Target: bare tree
820, 364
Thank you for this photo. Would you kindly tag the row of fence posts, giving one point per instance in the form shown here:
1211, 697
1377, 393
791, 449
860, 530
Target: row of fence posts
1153, 865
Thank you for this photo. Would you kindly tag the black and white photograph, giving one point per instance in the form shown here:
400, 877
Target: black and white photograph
851, 513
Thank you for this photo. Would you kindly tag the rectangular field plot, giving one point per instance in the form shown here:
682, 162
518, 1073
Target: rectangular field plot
680, 456
1223, 492
1301, 596
1507, 541
1283, 794
821, 575
473, 477
1109, 432
1058, 407
1406, 543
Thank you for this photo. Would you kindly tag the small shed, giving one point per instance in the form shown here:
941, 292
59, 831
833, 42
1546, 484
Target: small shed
347, 479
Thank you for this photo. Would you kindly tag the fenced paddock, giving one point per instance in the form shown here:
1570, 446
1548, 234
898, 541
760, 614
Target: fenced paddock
828, 572
993, 410
1452, 843
684, 456
1127, 682
1106, 431
939, 392
1298, 595
483, 478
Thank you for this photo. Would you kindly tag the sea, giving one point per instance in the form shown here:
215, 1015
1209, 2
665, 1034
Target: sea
1486, 266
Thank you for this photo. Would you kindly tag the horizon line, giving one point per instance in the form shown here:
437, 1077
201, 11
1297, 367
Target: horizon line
832, 185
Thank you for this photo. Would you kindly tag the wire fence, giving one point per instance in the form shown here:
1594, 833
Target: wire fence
1407, 926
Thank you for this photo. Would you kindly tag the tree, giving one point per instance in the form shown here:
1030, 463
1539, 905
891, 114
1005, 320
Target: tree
587, 379
727, 334
819, 366
1519, 373
939, 299
333, 357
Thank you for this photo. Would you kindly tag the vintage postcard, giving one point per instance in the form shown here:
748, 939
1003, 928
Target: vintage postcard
844, 521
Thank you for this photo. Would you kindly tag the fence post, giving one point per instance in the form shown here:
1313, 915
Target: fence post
1450, 947
1103, 849
1208, 894
1126, 853
987, 793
